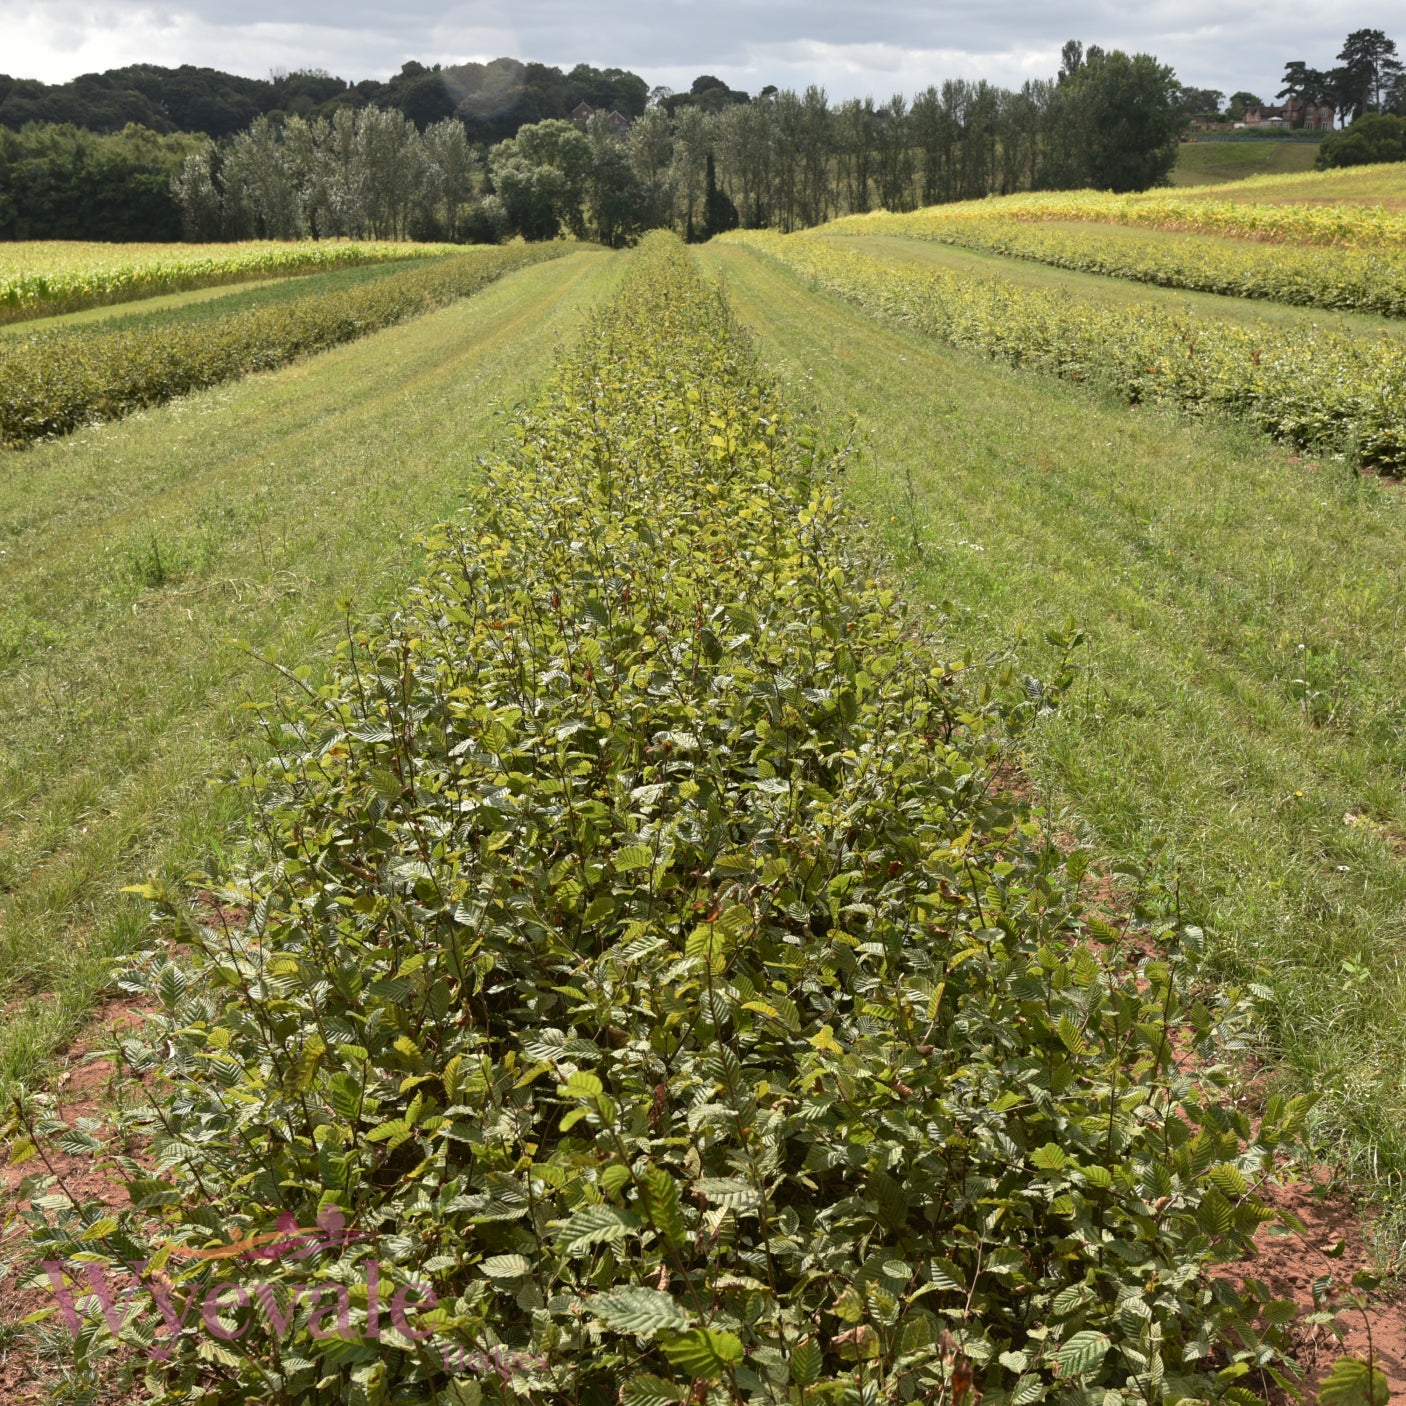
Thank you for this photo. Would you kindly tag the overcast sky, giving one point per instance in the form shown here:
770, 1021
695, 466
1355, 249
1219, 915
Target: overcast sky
873, 46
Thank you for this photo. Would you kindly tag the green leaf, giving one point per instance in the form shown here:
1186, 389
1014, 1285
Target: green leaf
592, 1226
641, 1311
659, 1201
703, 1352
506, 1267
1354, 1382
1082, 1353
892, 1199
806, 1362
645, 1389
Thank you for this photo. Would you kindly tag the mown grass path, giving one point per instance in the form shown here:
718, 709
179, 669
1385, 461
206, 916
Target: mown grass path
1246, 684
132, 556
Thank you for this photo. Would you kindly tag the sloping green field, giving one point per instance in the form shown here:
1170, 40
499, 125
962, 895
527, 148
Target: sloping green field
1211, 163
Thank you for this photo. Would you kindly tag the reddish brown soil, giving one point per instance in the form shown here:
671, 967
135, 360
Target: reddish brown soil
83, 1087
1288, 1266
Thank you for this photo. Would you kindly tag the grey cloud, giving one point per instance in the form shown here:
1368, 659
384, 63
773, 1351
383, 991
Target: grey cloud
855, 48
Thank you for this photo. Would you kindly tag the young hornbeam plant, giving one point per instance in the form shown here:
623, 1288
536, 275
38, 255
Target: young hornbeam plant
639, 986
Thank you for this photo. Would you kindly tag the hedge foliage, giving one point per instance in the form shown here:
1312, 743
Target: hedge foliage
52, 383
1352, 280
45, 278
1320, 390
1348, 226
643, 952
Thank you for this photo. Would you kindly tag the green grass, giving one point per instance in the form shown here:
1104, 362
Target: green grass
203, 304
1203, 163
1245, 685
133, 555
1121, 292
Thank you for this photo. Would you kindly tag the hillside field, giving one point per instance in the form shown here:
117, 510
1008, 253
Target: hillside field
812, 814
1209, 162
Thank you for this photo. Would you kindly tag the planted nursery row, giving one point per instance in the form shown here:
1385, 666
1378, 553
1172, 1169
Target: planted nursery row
52, 383
44, 279
1358, 226
643, 959
1318, 389
1352, 279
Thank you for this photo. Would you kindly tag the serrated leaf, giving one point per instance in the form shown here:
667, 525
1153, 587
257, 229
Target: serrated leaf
659, 1201
806, 1362
705, 1353
1354, 1382
645, 1389
638, 1310
1082, 1353
592, 1226
506, 1266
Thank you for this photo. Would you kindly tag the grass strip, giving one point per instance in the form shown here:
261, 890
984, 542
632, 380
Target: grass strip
43, 279
52, 384
641, 949
1322, 390
1348, 280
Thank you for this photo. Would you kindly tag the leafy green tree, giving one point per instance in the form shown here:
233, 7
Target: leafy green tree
1132, 123
1379, 136
564, 148
651, 148
1369, 70
617, 201
719, 213
1239, 102
59, 182
531, 196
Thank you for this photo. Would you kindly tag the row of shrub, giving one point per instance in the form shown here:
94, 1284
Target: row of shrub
1320, 390
1353, 280
644, 960
53, 382
46, 279
1349, 226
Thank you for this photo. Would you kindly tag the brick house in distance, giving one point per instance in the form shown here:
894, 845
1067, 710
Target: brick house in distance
582, 113
1296, 112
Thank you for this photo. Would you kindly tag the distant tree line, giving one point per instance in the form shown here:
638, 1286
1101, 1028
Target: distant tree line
492, 100
451, 157
701, 161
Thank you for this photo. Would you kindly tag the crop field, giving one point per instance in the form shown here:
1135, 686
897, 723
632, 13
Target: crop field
1353, 279
1357, 209
813, 818
41, 278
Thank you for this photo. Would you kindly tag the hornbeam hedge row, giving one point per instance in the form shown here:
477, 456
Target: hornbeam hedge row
643, 957
1348, 226
42, 279
1320, 390
1351, 280
52, 383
